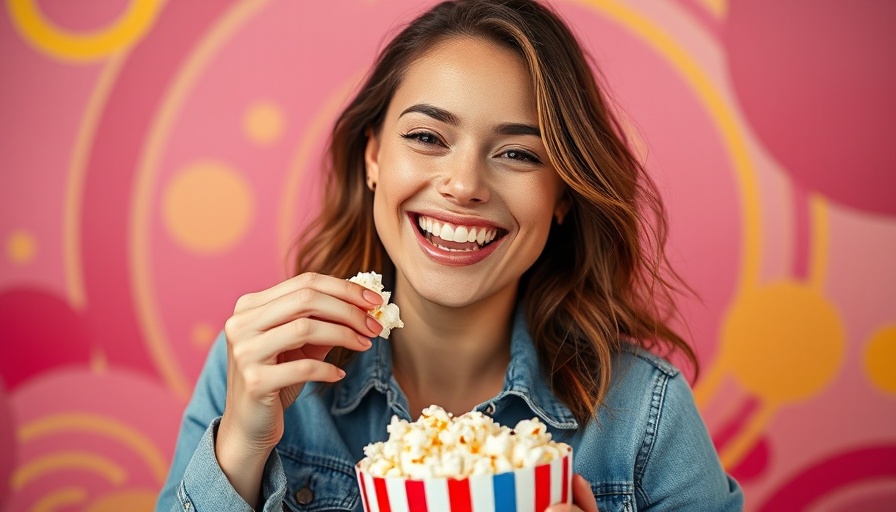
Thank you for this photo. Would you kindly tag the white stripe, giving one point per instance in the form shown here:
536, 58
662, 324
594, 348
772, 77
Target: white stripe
525, 490
371, 493
569, 483
482, 490
398, 495
557, 480
437, 495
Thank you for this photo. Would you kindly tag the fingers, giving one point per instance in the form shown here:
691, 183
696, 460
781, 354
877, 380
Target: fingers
306, 331
270, 379
582, 498
325, 298
582, 495
340, 288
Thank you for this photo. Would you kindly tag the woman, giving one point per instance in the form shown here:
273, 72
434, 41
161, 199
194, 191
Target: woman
480, 117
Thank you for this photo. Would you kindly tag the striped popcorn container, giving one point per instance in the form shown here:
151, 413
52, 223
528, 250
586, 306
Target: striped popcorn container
524, 490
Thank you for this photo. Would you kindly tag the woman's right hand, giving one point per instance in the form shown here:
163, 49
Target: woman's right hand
277, 340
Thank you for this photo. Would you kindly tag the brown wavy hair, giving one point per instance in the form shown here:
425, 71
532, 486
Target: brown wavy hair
603, 277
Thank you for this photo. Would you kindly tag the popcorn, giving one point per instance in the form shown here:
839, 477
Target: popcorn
439, 445
386, 314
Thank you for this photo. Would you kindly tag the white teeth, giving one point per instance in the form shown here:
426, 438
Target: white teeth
447, 233
451, 233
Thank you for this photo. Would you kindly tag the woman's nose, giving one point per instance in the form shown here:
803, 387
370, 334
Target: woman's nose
463, 181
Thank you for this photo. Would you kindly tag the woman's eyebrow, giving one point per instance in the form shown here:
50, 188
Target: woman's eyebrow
439, 114
442, 115
517, 129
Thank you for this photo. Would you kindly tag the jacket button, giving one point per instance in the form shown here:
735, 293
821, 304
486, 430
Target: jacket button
304, 496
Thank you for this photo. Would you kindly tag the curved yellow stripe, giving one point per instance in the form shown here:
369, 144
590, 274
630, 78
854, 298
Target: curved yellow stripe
100, 425
727, 125
139, 248
721, 114
734, 452
310, 136
717, 8
74, 190
60, 498
818, 258
68, 460
63, 44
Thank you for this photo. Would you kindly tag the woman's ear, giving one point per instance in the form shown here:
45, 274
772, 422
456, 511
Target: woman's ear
562, 207
371, 158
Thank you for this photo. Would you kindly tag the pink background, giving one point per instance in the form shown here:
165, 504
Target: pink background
159, 157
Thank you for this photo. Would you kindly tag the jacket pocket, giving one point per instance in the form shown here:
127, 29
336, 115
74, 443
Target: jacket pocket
319, 483
614, 496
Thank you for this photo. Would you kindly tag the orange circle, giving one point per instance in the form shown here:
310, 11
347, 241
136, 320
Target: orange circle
880, 359
207, 207
784, 342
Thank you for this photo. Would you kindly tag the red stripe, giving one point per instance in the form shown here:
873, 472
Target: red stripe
416, 495
565, 495
364, 492
542, 486
382, 497
459, 495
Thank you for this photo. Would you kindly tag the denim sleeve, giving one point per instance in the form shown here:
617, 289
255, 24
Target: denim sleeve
195, 480
682, 470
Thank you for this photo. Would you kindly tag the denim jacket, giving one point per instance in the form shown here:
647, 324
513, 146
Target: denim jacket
647, 450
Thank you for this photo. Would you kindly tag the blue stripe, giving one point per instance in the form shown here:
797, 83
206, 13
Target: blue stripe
505, 492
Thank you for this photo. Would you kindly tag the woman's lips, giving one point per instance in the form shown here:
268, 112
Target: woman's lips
455, 244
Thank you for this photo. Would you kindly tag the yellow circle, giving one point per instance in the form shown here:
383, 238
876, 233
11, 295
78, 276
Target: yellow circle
57, 42
207, 207
784, 342
263, 123
202, 335
880, 359
21, 247
124, 500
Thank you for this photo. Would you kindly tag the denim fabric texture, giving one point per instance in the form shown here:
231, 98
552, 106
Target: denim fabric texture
648, 450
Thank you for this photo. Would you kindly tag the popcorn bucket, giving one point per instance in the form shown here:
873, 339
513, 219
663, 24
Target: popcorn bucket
523, 490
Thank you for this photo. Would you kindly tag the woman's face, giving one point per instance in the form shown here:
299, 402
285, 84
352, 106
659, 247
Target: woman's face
465, 193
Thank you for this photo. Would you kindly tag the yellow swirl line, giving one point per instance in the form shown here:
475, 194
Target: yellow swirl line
818, 260
727, 125
60, 498
717, 8
734, 452
98, 425
140, 250
68, 460
74, 189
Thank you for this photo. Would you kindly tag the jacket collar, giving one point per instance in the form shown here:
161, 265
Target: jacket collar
372, 370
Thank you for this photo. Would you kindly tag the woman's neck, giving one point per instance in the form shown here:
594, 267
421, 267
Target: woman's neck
452, 357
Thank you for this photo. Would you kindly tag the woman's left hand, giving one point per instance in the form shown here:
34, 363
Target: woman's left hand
583, 500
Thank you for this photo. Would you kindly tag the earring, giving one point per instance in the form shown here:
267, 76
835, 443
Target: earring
371, 184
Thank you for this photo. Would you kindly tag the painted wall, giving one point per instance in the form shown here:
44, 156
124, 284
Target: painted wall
158, 158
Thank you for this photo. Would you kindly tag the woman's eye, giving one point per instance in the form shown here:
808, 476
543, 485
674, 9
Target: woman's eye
524, 156
422, 137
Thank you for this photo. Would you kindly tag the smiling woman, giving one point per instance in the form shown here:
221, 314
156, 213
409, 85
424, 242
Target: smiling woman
479, 169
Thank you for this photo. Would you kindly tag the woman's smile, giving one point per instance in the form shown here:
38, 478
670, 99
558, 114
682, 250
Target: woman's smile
465, 191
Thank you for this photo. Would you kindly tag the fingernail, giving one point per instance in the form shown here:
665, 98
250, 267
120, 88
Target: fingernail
374, 326
372, 297
340, 372
364, 341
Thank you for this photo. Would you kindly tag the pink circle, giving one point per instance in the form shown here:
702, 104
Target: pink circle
816, 82
42, 332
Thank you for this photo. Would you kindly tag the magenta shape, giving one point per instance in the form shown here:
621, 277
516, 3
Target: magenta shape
828, 475
816, 81
40, 332
7, 444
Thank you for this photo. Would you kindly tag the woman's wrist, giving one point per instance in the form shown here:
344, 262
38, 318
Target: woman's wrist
242, 465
